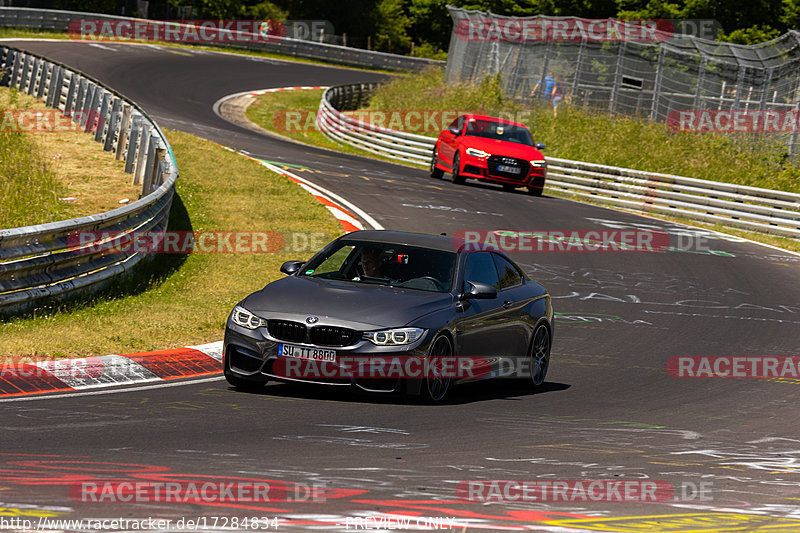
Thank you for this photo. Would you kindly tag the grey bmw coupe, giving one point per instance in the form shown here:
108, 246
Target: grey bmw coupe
386, 311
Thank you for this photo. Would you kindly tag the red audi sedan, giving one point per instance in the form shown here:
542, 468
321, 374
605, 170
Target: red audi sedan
490, 149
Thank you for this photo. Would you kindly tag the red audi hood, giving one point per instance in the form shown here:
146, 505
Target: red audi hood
506, 148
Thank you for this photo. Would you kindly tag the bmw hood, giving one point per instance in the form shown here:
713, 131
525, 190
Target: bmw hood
354, 305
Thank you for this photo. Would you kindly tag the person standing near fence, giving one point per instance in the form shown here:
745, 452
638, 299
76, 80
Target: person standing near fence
551, 91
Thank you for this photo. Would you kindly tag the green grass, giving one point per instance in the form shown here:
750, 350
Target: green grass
269, 112
10, 33
29, 189
182, 300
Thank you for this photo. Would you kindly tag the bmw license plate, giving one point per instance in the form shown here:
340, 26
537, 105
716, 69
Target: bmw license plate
509, 169
303, 352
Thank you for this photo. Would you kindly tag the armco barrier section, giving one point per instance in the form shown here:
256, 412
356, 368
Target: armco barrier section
57, 20
378, 140
750, 208
42, 263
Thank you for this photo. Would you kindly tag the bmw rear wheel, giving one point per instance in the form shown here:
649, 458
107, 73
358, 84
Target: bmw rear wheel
436, 382
539, 359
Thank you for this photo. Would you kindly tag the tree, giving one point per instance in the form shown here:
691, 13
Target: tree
751, 35
267, 11
391, 26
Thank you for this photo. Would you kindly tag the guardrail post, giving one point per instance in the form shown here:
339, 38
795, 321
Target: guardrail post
61, 90
102, 120
133, 142
141, 155
16, 69
93, 102
147, 167
23, 74
124, 131
154, 175
68, 103
113, 123
80, 97
47, 75
5, 80
53, 87
39, 72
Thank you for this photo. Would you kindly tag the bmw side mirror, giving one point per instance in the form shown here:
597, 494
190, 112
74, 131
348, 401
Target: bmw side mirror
480, 291
290, 267
540, 146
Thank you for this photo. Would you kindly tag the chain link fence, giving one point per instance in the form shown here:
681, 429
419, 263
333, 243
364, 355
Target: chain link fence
638, 68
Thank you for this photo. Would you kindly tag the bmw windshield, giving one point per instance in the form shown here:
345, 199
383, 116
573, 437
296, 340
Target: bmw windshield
381, 263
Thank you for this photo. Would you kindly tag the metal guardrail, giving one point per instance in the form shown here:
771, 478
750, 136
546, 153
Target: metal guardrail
57, 20
42, 262
382, 141
750, 208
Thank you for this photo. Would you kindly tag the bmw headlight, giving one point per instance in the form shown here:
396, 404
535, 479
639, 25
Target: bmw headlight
394, 337
474, 152
539, 163
246, 319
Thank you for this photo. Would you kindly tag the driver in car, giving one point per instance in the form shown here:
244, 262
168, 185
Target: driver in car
371, 263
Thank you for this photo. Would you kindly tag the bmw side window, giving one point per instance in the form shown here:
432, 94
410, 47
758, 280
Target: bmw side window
509, 275
331, 266
480, 267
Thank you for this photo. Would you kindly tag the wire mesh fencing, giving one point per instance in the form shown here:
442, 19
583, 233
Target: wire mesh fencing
639, 68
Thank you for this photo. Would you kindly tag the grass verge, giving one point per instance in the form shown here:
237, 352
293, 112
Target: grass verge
46, 176
292, 114
182, 300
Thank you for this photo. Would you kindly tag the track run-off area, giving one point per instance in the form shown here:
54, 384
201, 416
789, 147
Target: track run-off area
715, 454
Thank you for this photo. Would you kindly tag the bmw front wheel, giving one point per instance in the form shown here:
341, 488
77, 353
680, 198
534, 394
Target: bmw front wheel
436, 383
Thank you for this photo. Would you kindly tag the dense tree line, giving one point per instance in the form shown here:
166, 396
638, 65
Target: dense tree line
424, 25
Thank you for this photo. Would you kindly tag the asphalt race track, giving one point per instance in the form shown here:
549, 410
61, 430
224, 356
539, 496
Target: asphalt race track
609, 411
